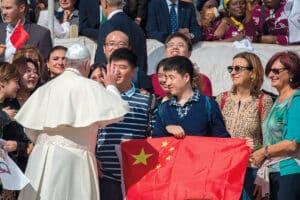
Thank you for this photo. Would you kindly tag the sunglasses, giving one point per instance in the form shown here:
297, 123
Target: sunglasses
238, 69
277, 70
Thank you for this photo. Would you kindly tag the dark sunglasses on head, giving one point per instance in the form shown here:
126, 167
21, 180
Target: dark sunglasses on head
238, 68
277, 70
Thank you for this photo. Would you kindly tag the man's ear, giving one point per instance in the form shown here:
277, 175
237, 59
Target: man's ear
2, 84
186, 77
22, 8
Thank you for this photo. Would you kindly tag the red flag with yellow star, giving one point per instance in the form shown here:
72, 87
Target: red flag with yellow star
190, 168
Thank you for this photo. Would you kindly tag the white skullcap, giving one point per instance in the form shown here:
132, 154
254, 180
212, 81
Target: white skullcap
77, 51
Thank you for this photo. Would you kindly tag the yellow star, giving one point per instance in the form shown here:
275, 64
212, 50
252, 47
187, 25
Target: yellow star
172, 149
141, 158
164, 144
168, 158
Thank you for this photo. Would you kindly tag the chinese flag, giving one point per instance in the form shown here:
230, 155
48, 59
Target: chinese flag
19, 36
190, 168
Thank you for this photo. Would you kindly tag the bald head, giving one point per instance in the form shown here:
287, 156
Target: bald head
115, 40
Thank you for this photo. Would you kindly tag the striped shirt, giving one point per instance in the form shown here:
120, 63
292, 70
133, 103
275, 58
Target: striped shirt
132, 127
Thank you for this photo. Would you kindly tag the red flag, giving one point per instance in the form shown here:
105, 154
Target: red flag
190, 168
19, 36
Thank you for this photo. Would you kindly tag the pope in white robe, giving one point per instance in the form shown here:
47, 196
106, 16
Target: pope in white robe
62, 119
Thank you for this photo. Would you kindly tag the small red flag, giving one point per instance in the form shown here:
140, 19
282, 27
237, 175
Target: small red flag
19, 36
190, 168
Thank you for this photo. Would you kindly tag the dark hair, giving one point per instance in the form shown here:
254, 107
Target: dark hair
58, 47
181, 65
8, 72
21, 64
200, 4
20, 2
124, 54
161, 64
291, 61
182, 36
94, 67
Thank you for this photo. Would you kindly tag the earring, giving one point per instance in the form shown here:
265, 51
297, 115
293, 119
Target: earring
291, 80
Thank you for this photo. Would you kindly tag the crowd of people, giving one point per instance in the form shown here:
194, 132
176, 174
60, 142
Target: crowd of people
57, 108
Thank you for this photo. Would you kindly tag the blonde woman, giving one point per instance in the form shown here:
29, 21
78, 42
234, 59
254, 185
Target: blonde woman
245, 107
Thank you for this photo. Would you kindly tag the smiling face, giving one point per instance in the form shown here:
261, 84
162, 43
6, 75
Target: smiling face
162, 79
67, 4
30, 77
177, 47
243, 77
237, 8
113, 41
280, 80
124, 73
97, 75
57, 62
176, 82
11, 11
11, 88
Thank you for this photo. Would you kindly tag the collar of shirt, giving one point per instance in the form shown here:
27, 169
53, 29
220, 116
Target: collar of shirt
113, 13
130, 92
169, 3
194, 98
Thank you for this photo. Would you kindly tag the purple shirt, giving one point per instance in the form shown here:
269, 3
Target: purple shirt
276, 23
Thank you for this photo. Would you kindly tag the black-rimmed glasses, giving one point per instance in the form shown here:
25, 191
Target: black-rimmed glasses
237, 68
277, 70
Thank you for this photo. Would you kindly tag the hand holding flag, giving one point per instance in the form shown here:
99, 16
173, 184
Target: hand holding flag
190, 168
17, 39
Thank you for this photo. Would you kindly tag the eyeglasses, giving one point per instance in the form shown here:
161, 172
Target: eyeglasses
114, 44
238, 69
173, 44
277, 70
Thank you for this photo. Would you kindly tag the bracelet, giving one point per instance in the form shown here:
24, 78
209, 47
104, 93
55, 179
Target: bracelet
266, 152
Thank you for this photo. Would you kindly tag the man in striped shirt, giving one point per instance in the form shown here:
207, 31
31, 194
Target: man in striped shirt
133, 126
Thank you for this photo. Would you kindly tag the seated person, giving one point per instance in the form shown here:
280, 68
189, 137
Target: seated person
178, 44
62, 26
187, 112
271, 22
237, 23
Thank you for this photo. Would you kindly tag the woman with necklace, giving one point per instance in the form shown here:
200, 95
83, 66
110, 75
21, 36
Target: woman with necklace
279, 158
237, 23
245, 107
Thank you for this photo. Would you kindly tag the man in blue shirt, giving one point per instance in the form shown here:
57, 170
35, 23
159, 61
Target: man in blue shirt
188, 112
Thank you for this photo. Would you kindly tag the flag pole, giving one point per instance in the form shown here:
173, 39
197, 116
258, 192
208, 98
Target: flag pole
51, 17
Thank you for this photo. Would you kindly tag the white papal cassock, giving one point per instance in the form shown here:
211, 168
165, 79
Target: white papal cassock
62, 119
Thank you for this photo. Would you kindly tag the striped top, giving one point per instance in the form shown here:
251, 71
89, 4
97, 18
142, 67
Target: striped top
132, 127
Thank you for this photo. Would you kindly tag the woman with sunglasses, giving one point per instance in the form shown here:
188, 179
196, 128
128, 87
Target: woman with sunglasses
245, 107
280, 156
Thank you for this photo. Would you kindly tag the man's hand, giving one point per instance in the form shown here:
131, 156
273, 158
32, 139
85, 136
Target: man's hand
110, 75
177, 131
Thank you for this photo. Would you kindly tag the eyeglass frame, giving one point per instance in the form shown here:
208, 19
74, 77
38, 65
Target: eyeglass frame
277, 71
173, 44
238, 68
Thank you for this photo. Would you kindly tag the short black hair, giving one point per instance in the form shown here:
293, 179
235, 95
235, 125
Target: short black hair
124, 54
95, 66
181, 65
